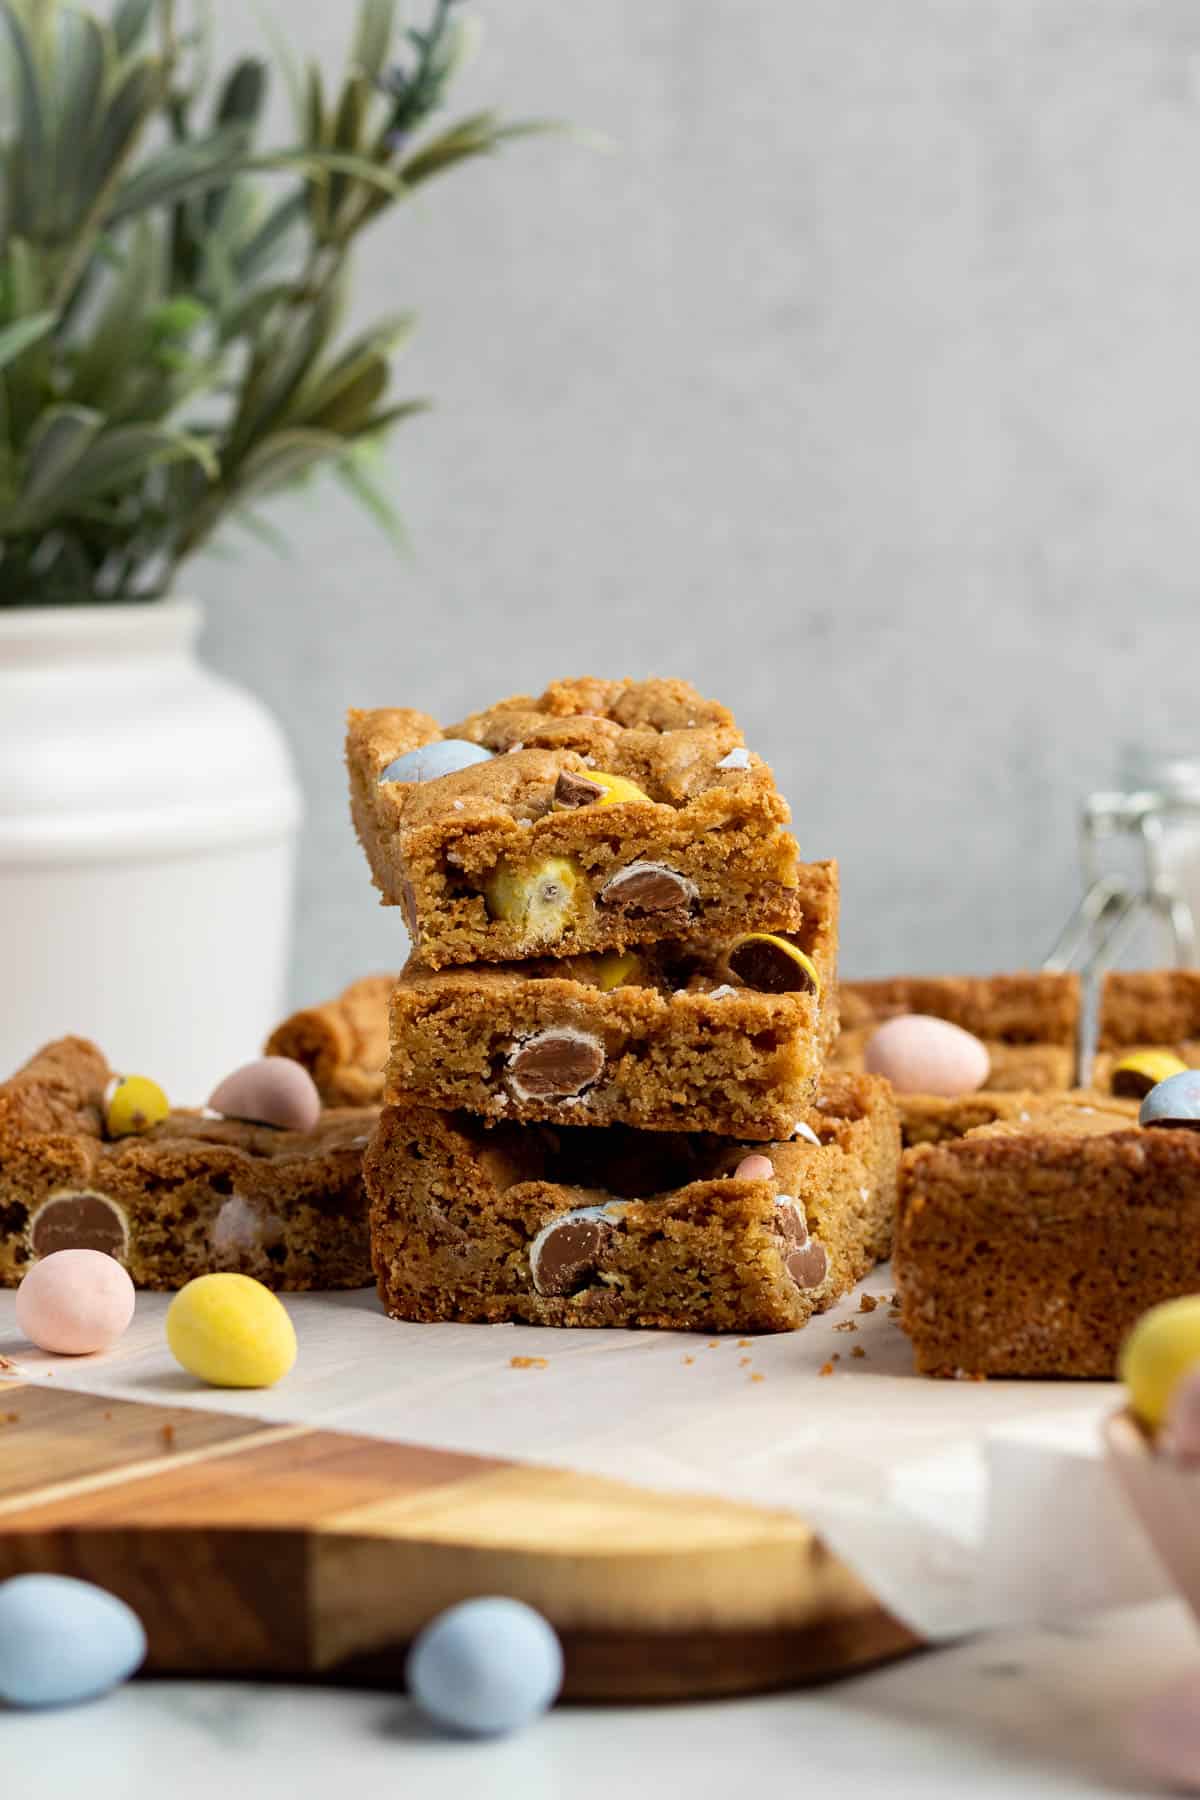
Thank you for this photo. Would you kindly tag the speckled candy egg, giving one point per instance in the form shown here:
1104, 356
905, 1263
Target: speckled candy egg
63, 1641
430, 761
272, 1090
1174, 1102
923, 1055
75, 1302
231, 1331
486, 1667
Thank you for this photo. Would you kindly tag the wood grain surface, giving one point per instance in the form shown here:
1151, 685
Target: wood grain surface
254, 1549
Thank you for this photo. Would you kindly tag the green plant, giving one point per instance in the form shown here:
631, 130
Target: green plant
170, 293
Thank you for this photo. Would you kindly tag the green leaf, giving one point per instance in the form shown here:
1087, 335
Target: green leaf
119, 459
478, 135
80, 84
282, 458
117, 339
258, 251
130, 18
132, 103
181, 170
264, 531
243, 93
31, 129
59, 439
16, 338
376, 20
345, 404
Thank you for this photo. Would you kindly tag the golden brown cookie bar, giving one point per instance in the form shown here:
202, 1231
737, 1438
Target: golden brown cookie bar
525, 855
1025, 1007
343, 1043
570, 1226
1031, 1247
667, 1038
193, 1195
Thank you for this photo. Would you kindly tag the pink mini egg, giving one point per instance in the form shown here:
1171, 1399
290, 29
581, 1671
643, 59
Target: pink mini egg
1181, 1429
922, 1055
754, 1168
75, 1302
274, 1090
1163, 1735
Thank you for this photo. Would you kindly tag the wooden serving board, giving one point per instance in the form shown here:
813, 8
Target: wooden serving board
280, 1550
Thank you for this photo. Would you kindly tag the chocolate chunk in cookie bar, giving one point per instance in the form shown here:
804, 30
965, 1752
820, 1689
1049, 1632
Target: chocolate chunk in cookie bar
606, 814
694, 1035
189, 1196
567, 1225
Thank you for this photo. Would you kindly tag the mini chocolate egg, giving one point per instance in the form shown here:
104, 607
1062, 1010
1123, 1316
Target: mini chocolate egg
772, 965
231, 1331
273, 1090
75, 1302
1175, 1102
1162, 1733
445, 756
134, 1105
1161, 1349
63, 1641
1181, 1432
754, 1168
923, 1055
486, 1667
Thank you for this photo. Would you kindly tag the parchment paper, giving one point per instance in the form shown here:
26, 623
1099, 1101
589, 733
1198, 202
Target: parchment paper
964, 1504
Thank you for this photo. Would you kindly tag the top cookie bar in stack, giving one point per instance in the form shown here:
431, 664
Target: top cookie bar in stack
601, 815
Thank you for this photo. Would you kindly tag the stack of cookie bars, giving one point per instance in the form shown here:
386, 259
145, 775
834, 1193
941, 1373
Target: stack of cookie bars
623, 986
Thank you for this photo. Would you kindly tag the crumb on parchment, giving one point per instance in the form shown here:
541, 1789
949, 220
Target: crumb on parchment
825, 1369
167, 1434
758, 1378
743, 1362
689, 1359
846, 1325
528, 1362
858, 1350
867, 1303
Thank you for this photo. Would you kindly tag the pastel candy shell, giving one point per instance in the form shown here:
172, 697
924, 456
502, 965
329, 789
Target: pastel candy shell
486, 1667
274, 1090
431, 761
1175, 1101
923, 1055
63, 1641
74, 1302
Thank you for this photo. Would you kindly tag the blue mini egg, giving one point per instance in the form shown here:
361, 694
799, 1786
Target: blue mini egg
433, 760
1175, 1101
63, 1641
486, 1667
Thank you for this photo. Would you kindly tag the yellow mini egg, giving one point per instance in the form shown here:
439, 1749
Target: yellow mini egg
1137, 1073
615, 968
135, 1104
231, 1331
594, 787
1159, 1351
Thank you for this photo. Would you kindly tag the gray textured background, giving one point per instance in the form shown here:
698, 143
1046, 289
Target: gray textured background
858, 385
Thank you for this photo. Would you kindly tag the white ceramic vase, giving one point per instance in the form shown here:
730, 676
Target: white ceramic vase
148, 817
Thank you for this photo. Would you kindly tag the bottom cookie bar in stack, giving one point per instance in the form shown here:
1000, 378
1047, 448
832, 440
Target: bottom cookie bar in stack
581, 1225
188, 1196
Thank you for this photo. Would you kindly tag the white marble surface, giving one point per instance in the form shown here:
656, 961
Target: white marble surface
1020, 1716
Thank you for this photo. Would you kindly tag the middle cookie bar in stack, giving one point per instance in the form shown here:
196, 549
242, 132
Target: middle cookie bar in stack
623, 983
